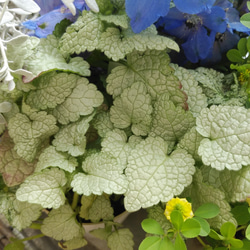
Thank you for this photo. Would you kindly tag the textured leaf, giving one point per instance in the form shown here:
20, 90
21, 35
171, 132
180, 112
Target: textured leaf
154, 176
44, 188
101, 210
227, 133
46, 56
102, 123
13, 168
50, 157
119, 20
117, 45
201, 192
196, 99
121, 239
170, 122
61, 224
52, 89
133, 107
115, 143
82, 101
29, 133
71, 138
86, 202
235, 184
82, 35
103, 174
151, 68
191, 142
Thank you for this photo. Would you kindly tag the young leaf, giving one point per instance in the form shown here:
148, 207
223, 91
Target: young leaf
177, 219
121, 239
227, 143
152, 226
228, 230
151, 242
166, 243
248, 232
161, 175
234, 55
44, 188
207, 211
241, 214
214, 235
16, 245
61, 224
235, 243
245, 20
191, 228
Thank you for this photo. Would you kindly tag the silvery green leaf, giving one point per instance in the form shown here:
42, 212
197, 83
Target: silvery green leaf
154, 176
152, 68
170, 122
28, 5
28, 133
102, 173
196, 99
82, 101
44, 188
227, 132
92, 5
133, 108
5, 107
7, 17
61, 224
119, 20
50, 157
51, 89
102, 123
201, 192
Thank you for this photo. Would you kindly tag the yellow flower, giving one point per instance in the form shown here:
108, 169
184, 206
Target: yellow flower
244, 76
179, 204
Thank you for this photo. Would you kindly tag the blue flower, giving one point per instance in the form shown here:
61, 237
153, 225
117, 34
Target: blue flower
194, 30
53, 12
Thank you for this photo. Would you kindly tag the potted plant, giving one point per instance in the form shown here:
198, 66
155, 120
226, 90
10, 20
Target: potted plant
97, 120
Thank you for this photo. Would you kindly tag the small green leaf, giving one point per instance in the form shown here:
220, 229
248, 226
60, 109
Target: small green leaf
179, 243
205, 227
235, 56
241, 214
16, 245
176, 219
150, 243
228, 230
242, 46
191, 228
245, 20
207, 211
248, 232
152, 226
166, 243
246, 245
236, 243
214, 235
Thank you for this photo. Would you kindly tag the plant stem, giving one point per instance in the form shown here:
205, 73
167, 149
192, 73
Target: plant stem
201, 241
35, 226
75, 201
241, 227
33, 237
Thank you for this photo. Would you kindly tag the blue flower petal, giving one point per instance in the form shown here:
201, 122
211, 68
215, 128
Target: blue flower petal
198, 45
143, 13
215, 19
193, 6
48, 5
224, 4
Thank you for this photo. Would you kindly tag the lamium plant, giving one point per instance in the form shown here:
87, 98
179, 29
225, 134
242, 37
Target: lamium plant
96, 119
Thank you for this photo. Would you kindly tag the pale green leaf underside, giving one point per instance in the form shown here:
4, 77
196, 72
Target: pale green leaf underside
170, 122
133, 107
103, 174
227, 133
52, 89
61, 224
44, 188
151, 68
196, 99
46, 57
50, 157
154, 176
29, 134
201, 193
12, 167
121, 239
82, 101
71, 138
120, 20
